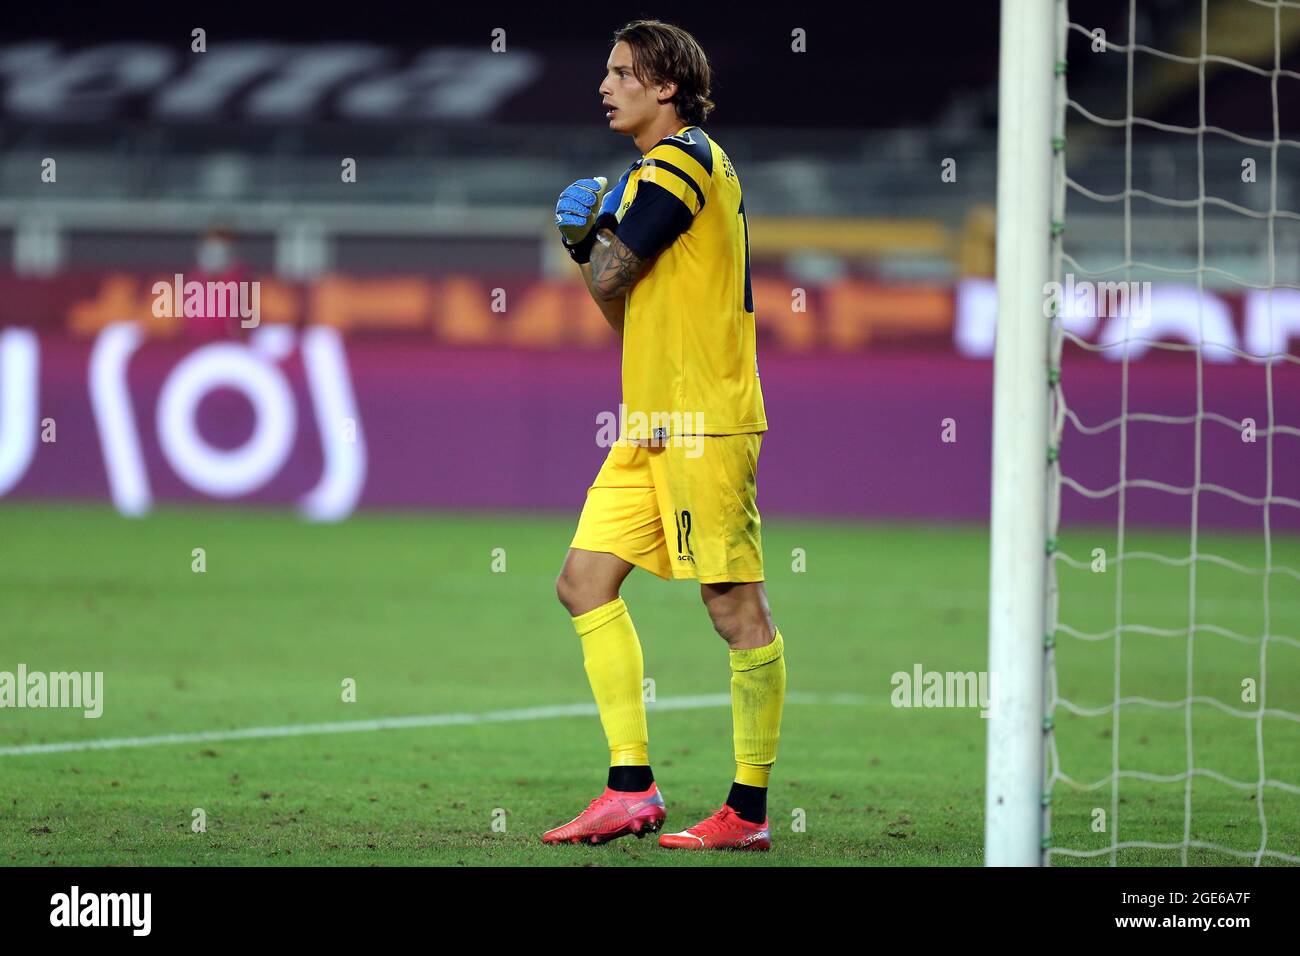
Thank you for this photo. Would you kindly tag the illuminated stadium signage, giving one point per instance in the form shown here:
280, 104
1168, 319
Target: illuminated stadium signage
253, 371
258, 81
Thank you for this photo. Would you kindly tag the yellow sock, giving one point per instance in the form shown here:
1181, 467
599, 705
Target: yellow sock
757, 695
612, 656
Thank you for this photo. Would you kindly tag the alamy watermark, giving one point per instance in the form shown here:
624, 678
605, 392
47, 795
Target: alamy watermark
922, 688
211, 299
654, 429
75, 908
76, 689
1113, 300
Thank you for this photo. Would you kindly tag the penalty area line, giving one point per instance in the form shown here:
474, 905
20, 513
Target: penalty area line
402, 723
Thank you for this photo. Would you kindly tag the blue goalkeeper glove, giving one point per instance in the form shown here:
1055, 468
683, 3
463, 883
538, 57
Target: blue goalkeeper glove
609, 217
575, 216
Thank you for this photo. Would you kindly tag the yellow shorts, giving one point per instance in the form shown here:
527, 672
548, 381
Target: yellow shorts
685, 509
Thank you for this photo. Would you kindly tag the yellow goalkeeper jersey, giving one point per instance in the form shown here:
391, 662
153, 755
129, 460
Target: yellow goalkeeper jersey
689, 360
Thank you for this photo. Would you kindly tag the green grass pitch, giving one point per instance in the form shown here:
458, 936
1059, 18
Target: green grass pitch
409, 607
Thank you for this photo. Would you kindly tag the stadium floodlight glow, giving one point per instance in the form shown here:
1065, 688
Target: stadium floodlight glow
1014, 784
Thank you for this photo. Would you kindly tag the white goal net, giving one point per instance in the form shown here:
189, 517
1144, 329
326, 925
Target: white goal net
1172, 638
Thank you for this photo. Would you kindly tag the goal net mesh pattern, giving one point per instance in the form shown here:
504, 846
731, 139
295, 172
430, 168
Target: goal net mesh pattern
1160, 713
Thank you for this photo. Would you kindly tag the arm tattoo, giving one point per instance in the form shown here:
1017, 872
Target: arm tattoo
614, 268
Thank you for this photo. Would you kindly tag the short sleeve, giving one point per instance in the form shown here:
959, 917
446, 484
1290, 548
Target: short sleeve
655, 218
673, 184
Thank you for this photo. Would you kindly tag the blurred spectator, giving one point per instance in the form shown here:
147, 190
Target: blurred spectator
215, 261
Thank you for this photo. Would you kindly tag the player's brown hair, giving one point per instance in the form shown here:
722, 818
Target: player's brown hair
662, 52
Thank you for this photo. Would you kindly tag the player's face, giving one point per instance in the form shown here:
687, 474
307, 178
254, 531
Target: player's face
630, 106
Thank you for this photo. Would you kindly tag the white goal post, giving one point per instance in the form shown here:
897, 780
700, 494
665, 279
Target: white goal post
1017, 616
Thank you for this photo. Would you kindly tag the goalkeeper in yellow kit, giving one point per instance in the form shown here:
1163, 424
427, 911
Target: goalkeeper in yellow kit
665, 255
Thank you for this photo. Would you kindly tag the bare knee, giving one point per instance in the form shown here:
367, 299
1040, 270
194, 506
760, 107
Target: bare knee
743, 629
576, 594
589, 580
740, 614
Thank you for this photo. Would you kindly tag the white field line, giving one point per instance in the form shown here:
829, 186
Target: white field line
402, 723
